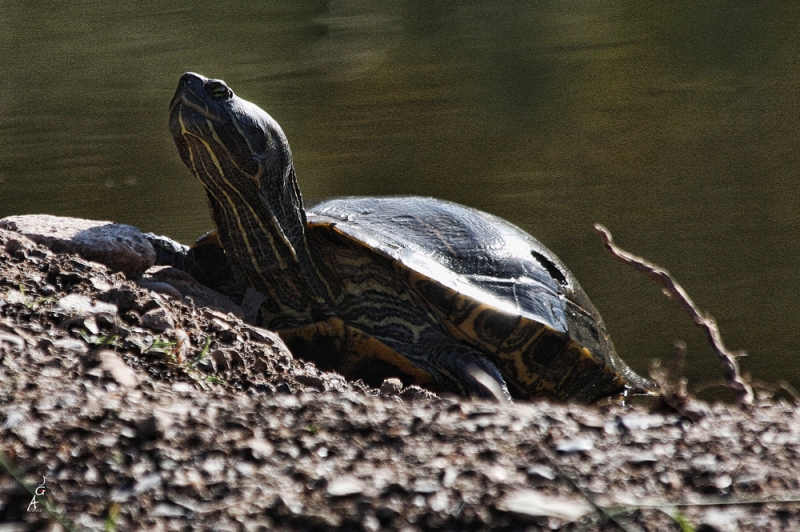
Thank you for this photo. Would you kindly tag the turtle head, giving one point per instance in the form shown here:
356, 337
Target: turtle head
242, 158
213, 127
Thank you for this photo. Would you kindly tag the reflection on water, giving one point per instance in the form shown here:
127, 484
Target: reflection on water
675, 125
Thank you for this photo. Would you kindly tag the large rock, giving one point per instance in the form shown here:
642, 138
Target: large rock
120, 247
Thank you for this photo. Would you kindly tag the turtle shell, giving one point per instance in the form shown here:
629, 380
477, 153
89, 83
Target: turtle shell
493, 286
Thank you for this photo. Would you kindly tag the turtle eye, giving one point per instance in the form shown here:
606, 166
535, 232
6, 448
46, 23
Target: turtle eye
218, 91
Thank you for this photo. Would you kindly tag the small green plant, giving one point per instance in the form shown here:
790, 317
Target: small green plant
682, 522
213, 379
159, 347
31, 303
111, 519
99, 340
203, 354
191, 366
24, 298
8, 467
21, 297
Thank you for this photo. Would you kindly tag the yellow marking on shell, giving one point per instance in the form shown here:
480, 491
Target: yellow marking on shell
460, 323
469, 327
583, 355
524, 374
461, 320
584, 352
355, 288
396, 320
469, 324
416, 279
542, 386
523, 328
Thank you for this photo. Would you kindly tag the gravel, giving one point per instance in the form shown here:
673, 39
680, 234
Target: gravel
147, 410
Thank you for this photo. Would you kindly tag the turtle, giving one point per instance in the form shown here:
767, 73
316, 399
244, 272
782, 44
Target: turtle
431, 292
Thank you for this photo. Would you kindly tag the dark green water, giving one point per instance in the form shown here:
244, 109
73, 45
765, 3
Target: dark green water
673, 123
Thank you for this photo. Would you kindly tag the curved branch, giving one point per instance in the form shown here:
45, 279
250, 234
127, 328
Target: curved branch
675, 291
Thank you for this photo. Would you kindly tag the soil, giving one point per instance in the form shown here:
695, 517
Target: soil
147, 408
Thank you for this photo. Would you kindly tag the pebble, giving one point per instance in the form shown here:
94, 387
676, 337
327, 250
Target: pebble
575, 445
157, 320
69, 344
80, 306
344, 486
644, 457
167, 510
117, 369
636, 422
535, 504
259, 448
426, 486
542, 471
147, 483
391, 386
13, 340
496, 474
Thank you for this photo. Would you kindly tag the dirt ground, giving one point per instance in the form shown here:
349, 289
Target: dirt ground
145, 409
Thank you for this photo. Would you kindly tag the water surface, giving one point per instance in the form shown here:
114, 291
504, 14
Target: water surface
673, 123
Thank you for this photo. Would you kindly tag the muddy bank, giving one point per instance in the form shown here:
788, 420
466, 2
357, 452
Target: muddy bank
148, 410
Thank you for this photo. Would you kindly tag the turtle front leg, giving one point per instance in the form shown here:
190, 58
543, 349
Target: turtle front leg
169, 252
204, 260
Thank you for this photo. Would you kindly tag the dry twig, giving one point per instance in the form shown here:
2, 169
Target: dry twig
675, 291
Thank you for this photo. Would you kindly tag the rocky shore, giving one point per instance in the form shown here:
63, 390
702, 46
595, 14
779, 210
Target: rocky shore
147, 403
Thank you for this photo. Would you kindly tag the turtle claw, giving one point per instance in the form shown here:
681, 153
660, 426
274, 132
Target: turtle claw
486, 382
168, 251
469, 372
